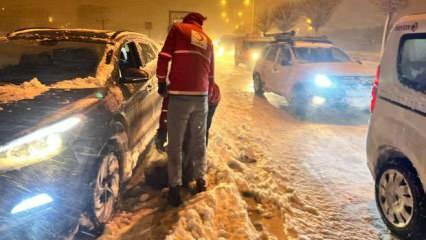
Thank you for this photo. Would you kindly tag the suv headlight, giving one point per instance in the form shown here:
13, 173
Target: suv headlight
323, 81
255, 56
40, 145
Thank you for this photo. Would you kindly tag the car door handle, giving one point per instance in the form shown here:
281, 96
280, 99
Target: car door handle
149, 88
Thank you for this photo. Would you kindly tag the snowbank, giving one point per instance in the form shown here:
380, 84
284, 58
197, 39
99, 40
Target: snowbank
220, 213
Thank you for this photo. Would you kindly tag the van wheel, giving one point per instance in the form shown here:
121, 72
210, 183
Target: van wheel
258, 85
401, 199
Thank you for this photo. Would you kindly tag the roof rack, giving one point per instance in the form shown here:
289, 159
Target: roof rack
290, 37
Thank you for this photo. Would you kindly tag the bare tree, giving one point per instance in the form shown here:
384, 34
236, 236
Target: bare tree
319, 11
390, 8
286, 15
265, 21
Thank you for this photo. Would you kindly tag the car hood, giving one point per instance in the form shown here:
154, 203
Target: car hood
21, 117
337, 69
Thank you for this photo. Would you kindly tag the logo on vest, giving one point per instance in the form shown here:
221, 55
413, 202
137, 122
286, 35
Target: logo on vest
198, 39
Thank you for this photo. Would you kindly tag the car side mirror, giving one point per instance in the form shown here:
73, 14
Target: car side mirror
135, 75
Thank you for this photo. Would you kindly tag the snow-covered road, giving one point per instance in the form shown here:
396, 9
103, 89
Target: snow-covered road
272, 176
322, 159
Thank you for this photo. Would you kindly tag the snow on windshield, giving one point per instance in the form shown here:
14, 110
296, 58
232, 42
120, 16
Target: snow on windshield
48, 61
26, 90
320, 55
20, 72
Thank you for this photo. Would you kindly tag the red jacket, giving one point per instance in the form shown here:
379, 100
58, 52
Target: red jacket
191, 53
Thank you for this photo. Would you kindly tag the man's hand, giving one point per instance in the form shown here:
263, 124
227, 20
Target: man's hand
162, 89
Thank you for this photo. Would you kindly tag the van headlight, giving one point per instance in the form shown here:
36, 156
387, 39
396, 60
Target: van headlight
323, 81
38, 146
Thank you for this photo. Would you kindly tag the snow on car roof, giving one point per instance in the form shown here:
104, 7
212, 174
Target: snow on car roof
92, 35
308, 44
413, 17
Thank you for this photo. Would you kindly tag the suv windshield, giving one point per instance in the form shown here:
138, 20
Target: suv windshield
319, 55
48, 61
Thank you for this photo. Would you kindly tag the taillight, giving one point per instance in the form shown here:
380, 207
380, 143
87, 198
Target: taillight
375, 89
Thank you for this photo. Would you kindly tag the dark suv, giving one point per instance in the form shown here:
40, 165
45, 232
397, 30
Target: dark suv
77, 107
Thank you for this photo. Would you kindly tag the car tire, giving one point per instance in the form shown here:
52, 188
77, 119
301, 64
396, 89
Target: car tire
299, 103
106, 187
405, 221
258, 85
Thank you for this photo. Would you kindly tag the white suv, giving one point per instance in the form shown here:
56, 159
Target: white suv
313, 72
396, 144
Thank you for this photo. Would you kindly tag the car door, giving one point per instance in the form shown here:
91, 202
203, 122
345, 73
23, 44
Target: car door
282, 75
133, 93
150, 108
267, 67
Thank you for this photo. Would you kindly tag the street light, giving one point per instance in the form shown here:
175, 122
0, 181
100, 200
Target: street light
50, 19
223, 2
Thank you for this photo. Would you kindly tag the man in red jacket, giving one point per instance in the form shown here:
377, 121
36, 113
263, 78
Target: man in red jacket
192, 75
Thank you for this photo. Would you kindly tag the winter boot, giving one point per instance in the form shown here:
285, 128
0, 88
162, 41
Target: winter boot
186, 183
174, 197
161, 139
201, 186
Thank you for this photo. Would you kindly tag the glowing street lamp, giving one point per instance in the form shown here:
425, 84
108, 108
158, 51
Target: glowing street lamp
223, 2
224, 14
309, 21
247, 3
50, 19
240, 13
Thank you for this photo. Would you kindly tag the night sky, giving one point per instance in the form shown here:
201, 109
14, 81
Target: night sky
132, 14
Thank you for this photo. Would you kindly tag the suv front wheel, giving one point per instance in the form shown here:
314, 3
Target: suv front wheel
400, 199
299, 102
105, 192
258, 85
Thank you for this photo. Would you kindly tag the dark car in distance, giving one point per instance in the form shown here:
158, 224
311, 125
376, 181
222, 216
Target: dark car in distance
77, 107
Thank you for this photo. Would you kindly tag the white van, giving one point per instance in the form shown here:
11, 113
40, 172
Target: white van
396, 146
